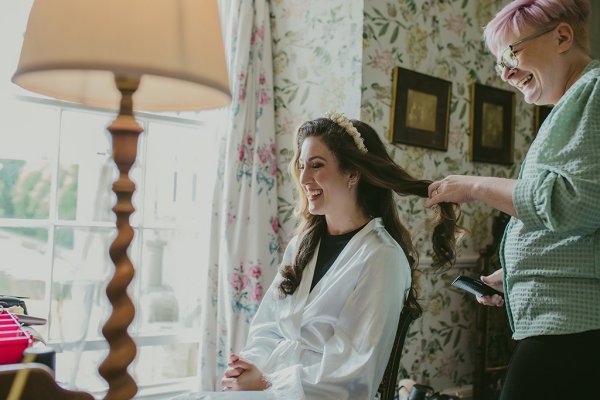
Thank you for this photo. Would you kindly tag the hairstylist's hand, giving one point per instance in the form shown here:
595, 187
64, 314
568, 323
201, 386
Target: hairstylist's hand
452, 189
251, 378
494, 280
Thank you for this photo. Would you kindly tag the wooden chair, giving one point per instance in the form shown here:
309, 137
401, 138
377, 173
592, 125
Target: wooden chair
387, 388
33, 381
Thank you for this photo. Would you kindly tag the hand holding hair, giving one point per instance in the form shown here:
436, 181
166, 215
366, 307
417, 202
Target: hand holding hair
493, 191
452, 189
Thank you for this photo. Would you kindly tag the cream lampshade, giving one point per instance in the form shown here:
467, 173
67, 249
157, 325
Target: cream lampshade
73, 49
154, 55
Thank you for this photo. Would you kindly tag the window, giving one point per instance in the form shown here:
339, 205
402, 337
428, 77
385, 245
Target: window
56, 224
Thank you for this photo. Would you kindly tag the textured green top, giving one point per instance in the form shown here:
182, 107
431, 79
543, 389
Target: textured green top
551, 253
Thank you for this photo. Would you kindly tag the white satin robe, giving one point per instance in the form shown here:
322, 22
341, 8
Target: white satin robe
334, 342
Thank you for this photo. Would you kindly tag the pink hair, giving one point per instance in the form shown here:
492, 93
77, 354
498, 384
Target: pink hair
520, 14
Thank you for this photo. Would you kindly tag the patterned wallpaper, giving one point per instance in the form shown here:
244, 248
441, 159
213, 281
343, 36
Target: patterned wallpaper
442, 39
339, 55
317, 64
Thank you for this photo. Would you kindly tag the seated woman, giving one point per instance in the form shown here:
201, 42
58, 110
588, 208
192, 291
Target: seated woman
326, 326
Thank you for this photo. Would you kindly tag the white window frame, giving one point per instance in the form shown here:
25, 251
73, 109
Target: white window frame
185, 336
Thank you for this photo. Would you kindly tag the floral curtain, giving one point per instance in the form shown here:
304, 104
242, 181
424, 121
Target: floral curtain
244, 248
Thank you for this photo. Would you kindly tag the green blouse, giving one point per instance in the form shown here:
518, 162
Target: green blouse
551, 252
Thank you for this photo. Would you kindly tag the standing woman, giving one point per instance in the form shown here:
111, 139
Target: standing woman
326, 326
550, 253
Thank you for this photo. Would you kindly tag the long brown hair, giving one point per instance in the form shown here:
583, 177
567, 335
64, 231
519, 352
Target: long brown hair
380, 177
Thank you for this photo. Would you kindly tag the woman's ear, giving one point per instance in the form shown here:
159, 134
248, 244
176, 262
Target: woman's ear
564, 36
353, 178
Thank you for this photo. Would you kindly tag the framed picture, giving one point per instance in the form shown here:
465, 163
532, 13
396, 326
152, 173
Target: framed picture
540, 114
492, 124
420, 110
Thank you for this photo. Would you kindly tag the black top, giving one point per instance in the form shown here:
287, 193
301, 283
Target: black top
330, 249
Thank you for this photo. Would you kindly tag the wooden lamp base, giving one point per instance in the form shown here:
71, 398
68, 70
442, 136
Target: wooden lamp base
122, 349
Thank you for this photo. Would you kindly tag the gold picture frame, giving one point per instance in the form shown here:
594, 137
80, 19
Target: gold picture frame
420, 109
492, 124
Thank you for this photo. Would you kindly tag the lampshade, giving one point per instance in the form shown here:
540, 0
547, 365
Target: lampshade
74, 48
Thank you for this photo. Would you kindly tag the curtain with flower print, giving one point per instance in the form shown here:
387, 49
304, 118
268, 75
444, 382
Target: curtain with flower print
244, 248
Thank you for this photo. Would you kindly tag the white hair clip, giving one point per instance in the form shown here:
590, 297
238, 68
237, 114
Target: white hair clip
345, 123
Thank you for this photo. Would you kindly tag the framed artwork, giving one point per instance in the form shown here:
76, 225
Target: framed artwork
540, 114
492, 124
420, 110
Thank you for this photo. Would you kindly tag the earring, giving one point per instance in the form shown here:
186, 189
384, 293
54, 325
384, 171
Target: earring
349, 185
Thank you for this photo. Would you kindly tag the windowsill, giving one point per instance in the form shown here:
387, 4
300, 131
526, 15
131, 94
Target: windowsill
189, 335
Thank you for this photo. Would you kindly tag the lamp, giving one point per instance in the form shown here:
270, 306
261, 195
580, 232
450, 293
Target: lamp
159, 55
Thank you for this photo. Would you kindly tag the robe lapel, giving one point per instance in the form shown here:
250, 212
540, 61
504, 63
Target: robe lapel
341, 261
299, 298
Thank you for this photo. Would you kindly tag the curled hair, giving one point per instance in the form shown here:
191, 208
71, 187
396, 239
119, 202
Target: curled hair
520, 14
380, 178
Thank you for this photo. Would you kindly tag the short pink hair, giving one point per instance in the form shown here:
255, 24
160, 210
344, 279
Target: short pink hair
539, 14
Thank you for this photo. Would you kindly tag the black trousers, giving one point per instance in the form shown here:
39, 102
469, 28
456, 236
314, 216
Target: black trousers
555, 367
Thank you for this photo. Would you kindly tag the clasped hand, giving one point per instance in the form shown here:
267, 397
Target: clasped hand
243, 375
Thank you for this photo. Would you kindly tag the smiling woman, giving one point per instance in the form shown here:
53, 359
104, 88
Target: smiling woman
549, 254
326, 326
523, 53
327, 187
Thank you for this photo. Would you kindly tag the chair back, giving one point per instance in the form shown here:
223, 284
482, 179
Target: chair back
387, 388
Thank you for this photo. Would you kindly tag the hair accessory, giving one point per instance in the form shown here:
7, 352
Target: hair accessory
345, 123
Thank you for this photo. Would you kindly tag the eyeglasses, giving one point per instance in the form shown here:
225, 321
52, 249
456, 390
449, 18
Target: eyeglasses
508, 59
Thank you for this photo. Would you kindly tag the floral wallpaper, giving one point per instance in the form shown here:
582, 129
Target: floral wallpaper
442, 39
317, 50
340, 55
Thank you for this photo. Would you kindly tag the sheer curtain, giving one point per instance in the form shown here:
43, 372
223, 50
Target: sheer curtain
244, 248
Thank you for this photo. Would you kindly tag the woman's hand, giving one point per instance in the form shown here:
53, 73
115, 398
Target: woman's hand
250, 378
495, 192
452, 189
232, 372
494, 280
